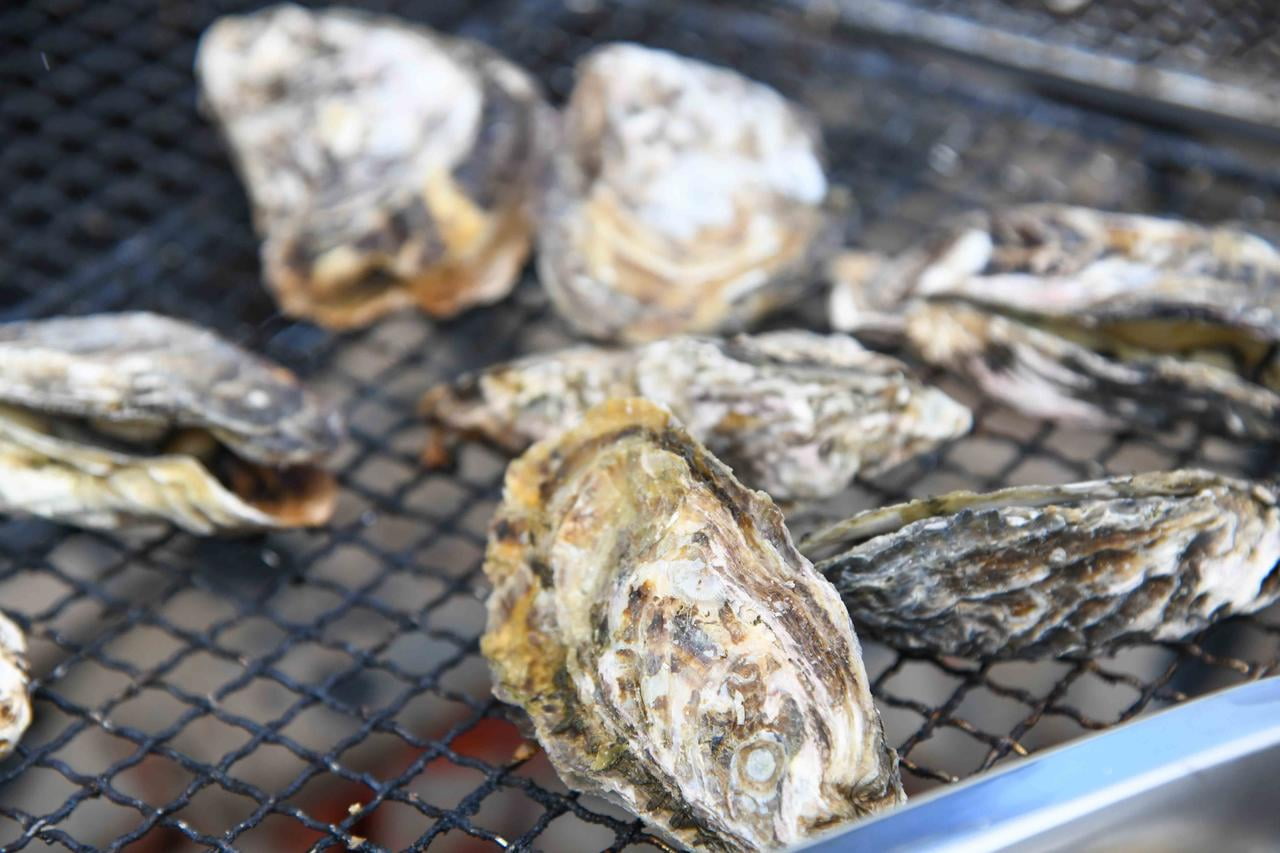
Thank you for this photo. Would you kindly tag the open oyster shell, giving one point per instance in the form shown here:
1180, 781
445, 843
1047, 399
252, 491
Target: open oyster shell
1104, 319
683, 198
1050, 570
15, 701
388, 165
794, 413
673, 650
116, 419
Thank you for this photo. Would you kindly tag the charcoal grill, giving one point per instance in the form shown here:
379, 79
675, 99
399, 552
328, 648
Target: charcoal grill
324, 689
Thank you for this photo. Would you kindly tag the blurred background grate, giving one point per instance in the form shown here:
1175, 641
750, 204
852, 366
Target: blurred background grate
1210, 56
325, 688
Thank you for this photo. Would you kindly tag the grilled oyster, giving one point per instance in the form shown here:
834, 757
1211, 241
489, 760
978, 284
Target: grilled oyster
1050, 570
115, 419
675, 652
1104, 319
15, 703
684, 198
388, 165
794, 413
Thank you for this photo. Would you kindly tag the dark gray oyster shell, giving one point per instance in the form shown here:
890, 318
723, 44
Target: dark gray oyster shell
1049, 570
388, 165
673, 650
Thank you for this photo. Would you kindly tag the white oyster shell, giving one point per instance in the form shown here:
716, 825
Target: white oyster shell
683, 198
673, 650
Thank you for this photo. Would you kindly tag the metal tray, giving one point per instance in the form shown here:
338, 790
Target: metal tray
1191, 778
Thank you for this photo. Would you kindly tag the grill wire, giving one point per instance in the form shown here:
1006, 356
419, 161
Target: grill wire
324, 688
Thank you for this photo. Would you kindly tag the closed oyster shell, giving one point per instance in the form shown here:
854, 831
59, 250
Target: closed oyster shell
673, 650
1049, 375
15, 701
117, 419
1049, 570
1104, 319
388, 165
683, 198
794, 413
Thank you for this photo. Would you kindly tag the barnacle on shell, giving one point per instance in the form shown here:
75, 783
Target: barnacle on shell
672, 649
117, 419
795, 413
1106, 319
388, 165
1050, 570
683, 198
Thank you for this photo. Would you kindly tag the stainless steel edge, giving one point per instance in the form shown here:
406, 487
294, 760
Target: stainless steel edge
1249, 103
1169, 772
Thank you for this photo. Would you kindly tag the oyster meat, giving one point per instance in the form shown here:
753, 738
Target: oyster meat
388, 165
794, 413
1050, 570
15, 701
683, 198
117, 419
1105, 319
673, 650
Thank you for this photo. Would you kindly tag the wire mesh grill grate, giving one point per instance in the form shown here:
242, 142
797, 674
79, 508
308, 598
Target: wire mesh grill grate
324, 688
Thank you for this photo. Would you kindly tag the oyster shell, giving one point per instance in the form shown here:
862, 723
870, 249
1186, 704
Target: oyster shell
388, 165
683, 198
15, 701
674, 651
116, 419
1050, 570
1105, 319
794, 413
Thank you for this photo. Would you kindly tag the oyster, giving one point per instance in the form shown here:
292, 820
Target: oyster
388, 165
683, 198
115, 419
1105, 319
15, 703
794, 413
674, 651
1050, 570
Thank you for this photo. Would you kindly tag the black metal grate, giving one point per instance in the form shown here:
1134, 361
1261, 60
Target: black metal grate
324, 688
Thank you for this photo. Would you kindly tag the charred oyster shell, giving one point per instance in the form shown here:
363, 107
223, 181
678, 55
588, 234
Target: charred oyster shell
1050, 570
674, 651
1105, 319
388, 165
683, 198
794, 413
15, 701
116, 419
